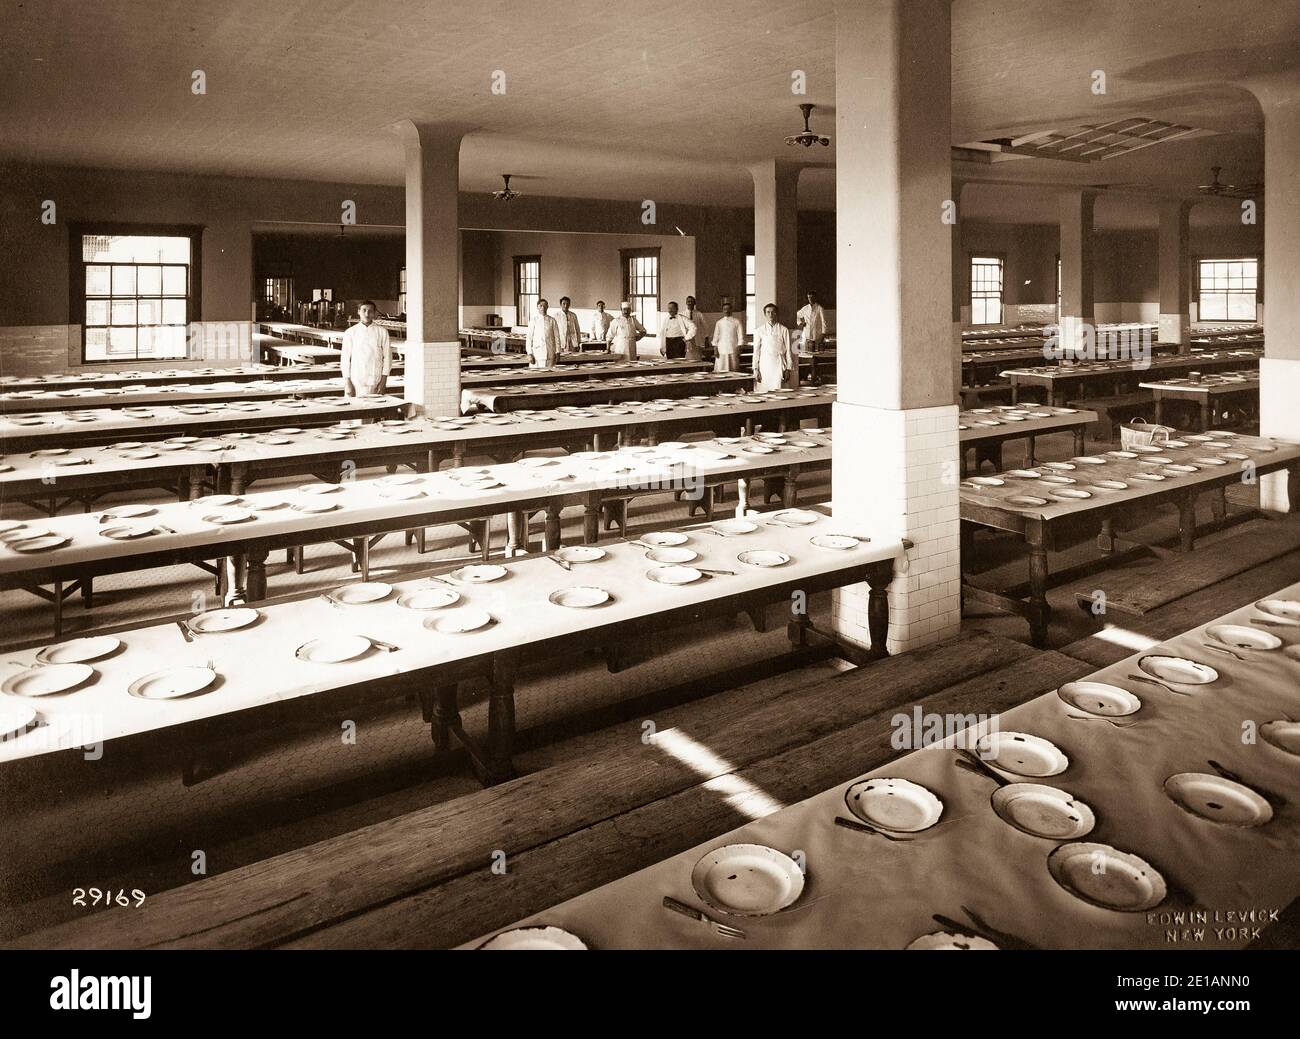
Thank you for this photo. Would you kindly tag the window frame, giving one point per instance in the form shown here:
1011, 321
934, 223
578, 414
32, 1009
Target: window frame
1199, 291
77, 275
626, 256
523, 315
751, 297
1001, 259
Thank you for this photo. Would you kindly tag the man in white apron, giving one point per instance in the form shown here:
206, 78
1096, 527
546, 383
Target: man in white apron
367, 354
772, 357
625, 331
570, 332
728, 337
600, 323
543, 340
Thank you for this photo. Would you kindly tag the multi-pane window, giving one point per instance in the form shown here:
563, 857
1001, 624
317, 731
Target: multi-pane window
401, 291
985, 290
136, 294
751, 300
277, 291
641, 285
1058, 288
528, 287
1227, 290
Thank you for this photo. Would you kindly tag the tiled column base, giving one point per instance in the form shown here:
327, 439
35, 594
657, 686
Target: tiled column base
1174, 328
895, 475
432, 378
1279, 416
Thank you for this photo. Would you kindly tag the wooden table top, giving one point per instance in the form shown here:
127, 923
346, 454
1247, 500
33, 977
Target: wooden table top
1179, 362
1011, 420
587, 392
1212, 456
1209, 385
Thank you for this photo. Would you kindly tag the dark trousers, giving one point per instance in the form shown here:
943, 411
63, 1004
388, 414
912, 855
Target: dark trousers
675, 347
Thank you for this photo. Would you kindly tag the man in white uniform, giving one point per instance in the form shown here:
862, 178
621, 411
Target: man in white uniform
570, 332
728, 335
812, 320
695, 346
543, 340
674, 334
600, 323
367, 354
772, 358
625, 331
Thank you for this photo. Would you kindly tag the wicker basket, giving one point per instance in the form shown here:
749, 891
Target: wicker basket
1140, 433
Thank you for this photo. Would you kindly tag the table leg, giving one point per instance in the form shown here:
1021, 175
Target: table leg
878, 581
742, 496
1106, 539
363, 557
1206, 416
1219, 504
235, 585
1015, 392
1039, 611
551, 538
501, 720
591, 520
516, 533
1160, 409
446, 716
58, 609
1078, 440
238, 477
1187, 523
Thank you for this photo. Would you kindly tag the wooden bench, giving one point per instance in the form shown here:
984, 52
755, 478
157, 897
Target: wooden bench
1113, 411
420, 879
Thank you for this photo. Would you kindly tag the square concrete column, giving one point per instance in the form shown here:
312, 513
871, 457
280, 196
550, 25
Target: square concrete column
1077, 305
1175, 276
432, 267
1279, 369
960, 284
776, 240
895, 469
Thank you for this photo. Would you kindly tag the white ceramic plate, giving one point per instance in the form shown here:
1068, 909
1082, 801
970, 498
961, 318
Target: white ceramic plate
1238, 636
735, 526
10, 525
172, 683
429, 598
360, 594
320, 488
218, 500
479, 573
1218, 799
1063, 467
459, 621
580, 553
1122, 454
763, 557
1182, 469
1100, 699
129, 511
1107, 877
894, 804
1022, 754
1283, 734
43, 543
1069, 494
1043, 811
672, 555
581, 597
1286, 610
1178, 670
333, 650
1111, 485
224, 517
553, 938
951, 941
401, 493
127, 531
15, 719
839, 542
668, 538
79, 651
287, 431
747, 880
1089, 460
984, 481
1147, 477
674, 575
1060, 481
1027, 500
20, 532
214, 621
1024, 474
46, 680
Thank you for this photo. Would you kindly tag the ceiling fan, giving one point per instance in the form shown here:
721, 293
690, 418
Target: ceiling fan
807, 138
505, 194
1218, 189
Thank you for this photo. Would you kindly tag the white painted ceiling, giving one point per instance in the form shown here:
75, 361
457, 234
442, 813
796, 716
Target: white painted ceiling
609, 98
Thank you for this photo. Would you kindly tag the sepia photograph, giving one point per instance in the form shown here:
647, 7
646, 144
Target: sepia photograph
650, 477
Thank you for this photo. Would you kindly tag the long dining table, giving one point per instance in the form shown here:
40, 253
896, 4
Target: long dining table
1204, 397
69, 552
1110, 813
428, 633
1105, 494
33, 431
1078, 381
577, 393
984, 430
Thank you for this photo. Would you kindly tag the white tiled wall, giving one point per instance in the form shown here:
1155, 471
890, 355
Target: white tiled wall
896, 475
432, 378
1279, 389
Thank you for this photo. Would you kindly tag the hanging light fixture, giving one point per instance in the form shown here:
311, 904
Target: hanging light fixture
807, 138
505, 194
